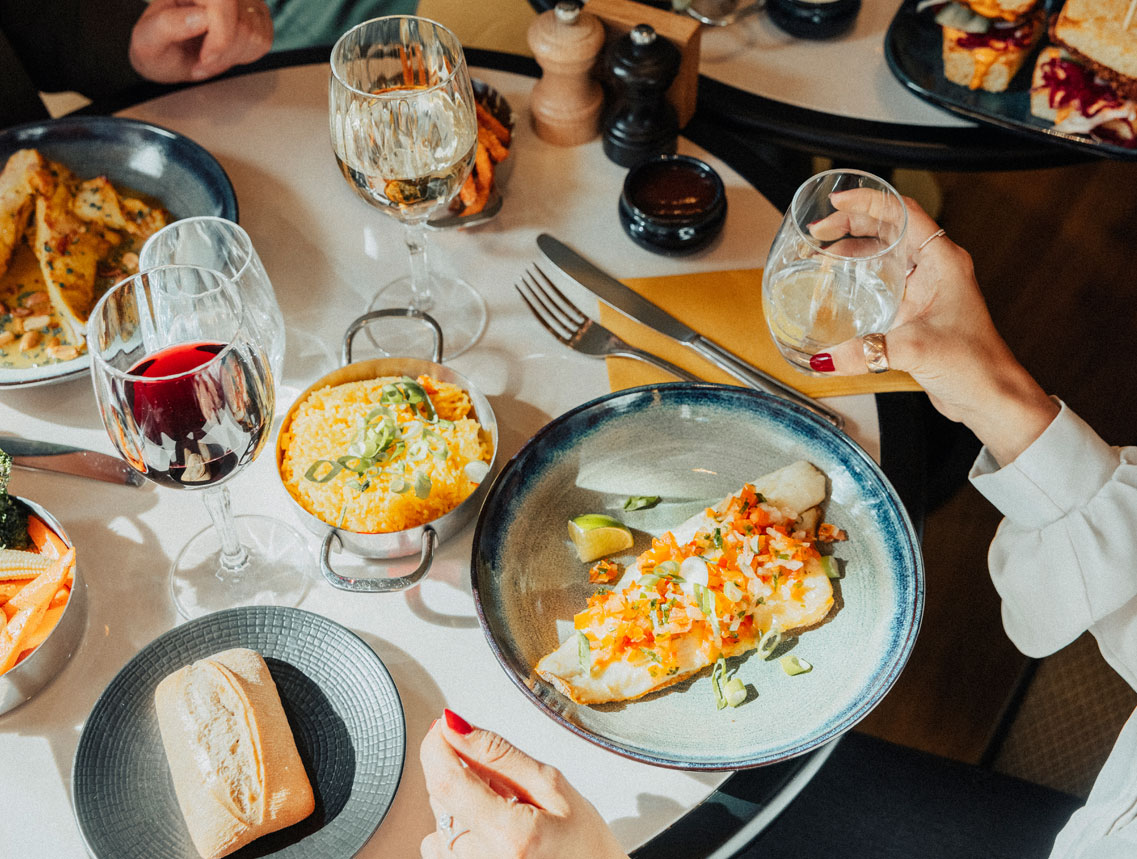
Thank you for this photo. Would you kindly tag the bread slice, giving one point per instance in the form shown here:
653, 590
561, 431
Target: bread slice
236, 771
989, 61
1091, 31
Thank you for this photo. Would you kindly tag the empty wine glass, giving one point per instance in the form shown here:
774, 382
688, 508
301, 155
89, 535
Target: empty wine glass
404, 130
223, 246
185, 393
820, 290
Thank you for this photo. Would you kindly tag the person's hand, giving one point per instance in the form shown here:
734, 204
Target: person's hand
944, 337
493, 801
190, 40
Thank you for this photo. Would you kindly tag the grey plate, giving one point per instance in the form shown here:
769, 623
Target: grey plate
341, 704
693, 444
132, 154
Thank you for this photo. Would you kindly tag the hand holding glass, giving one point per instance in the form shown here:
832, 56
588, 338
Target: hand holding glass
185, 393
404, 130
830, 277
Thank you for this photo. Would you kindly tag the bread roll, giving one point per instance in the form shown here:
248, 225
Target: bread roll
236, 771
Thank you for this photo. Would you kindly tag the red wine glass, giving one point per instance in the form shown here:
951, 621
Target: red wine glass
186, 394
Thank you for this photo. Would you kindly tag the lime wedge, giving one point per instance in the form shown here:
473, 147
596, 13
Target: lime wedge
596, 535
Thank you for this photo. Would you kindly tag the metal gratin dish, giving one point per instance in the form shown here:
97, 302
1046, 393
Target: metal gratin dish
393, 544
46, 661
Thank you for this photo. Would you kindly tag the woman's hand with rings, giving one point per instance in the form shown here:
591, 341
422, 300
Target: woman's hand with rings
187, 40
493, 801
943, 336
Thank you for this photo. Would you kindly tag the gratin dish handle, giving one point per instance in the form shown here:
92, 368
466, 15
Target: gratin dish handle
378, 585
407, 312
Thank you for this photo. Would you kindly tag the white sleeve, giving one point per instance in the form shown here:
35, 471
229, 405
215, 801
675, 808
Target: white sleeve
1064, 559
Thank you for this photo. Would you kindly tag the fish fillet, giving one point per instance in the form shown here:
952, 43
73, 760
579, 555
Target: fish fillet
652, 631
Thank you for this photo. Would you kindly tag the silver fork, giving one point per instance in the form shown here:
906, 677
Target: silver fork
564, 320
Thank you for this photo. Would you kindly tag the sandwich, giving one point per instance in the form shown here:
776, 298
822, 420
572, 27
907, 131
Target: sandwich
1085, 82
986, 42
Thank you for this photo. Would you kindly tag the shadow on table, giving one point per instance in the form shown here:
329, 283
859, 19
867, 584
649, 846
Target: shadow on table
422, 702
69, 403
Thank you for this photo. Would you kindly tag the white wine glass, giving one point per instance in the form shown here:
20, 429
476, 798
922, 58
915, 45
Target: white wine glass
404, 129
818, 292
186, 395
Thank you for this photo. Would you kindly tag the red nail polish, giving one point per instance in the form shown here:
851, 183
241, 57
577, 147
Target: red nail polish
822, 362
456, 722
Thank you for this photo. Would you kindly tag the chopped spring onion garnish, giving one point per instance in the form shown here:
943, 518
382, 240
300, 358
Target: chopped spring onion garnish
408, 392
769, 642
583, 652
313, 474
734, 691
830, 566
732, 591
668, 570
728, 692
793, 666
641, 502
718, 676
476, 471
380, 439
705, 598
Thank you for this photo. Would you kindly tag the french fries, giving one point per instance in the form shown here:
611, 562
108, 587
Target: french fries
493, 148
34, 589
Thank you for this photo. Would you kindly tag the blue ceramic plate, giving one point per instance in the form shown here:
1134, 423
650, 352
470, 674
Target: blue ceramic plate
136, 155
693, 444
341, 704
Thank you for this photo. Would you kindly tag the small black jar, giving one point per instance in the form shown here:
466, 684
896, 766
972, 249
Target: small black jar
672, 204
813, 19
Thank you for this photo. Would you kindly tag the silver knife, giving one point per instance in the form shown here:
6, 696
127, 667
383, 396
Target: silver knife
631, 303
49, 456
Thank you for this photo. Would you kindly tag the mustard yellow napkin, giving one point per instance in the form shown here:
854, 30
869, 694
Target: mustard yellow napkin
724, 306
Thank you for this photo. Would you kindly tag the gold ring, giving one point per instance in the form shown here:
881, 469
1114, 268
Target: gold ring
876, 354
930, 239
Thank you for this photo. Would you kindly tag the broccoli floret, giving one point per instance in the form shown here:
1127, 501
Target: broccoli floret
13, 516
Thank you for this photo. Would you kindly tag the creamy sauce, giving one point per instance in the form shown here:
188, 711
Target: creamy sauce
22, 289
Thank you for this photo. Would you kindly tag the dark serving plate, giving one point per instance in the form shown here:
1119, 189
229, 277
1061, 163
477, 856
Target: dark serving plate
142, 157
913, 50
341, 704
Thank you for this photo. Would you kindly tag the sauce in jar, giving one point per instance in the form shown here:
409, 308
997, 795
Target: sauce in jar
672, 204
671, 189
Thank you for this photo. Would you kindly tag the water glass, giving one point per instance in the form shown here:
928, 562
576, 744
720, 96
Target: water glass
225, 247
829, 277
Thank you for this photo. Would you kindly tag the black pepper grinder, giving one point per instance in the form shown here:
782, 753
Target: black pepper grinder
641, 123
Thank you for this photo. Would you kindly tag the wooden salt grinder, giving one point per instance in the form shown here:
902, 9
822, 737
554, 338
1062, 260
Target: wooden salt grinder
566, 102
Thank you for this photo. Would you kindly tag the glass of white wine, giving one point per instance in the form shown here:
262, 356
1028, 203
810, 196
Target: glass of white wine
818, 292
404, 129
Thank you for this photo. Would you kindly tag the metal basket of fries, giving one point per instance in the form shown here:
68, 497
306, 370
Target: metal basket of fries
44, 609
480, 196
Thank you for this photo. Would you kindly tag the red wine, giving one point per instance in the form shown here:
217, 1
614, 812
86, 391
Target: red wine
198, 427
